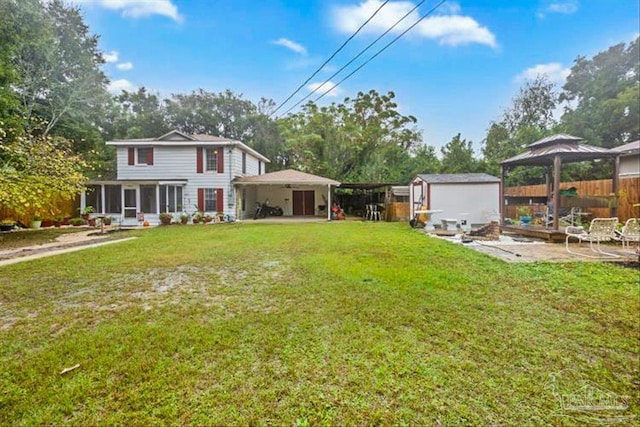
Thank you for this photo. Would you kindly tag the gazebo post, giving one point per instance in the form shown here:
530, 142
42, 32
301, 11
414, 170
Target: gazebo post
615, 183
501, 194
557, 167
547, 180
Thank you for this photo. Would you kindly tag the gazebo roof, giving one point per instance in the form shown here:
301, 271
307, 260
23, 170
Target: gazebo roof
542, 152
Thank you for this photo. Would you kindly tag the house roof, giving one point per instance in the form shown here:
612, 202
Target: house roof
287, 176
542, 152
630, 148
458, 178
177, 138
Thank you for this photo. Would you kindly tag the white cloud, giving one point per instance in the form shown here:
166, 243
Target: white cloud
117, 86
566, 7
553, 71
110, 56
138, 8
448, 27
291, 45
321, 88
125, 66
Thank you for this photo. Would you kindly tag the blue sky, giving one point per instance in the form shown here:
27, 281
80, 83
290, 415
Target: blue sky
455, 71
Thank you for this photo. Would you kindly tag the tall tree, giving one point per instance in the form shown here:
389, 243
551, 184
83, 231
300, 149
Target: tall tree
138, 114
361, 139
602, 94
57, 65
528, 118
458, 157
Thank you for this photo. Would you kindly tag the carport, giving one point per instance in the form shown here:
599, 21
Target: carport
297, 193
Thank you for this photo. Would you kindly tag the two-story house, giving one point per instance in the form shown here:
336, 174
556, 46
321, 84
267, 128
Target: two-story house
173, 173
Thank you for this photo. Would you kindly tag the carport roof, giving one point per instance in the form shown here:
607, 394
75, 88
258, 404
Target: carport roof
287, 176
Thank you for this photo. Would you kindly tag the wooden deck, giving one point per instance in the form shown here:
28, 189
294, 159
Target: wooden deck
535, 231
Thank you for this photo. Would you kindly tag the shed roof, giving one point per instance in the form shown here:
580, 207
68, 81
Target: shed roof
457, 178
287, 176
543, 152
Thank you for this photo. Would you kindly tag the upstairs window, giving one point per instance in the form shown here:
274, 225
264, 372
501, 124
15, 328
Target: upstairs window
140, 156
211, 160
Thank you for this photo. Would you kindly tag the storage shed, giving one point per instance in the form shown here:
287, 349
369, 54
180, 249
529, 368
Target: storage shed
473, 197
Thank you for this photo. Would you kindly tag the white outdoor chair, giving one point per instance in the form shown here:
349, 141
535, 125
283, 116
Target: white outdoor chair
600, 230
630, 233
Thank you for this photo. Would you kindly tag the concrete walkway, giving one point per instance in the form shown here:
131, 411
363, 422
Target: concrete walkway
64, 243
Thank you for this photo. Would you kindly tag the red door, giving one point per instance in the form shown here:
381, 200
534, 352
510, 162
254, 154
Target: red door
303, 203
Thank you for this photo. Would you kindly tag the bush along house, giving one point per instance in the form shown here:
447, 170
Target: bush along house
174, 173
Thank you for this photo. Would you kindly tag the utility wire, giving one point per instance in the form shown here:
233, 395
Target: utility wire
356, 57
382, 50
330, 58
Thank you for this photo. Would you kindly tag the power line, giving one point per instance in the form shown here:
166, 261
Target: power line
382, 50
330, 58
356, 57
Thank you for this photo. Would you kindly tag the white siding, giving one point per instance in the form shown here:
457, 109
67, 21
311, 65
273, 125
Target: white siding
171, 163
630, 166
479, 200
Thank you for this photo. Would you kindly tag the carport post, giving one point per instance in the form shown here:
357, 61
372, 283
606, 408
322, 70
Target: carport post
329, 202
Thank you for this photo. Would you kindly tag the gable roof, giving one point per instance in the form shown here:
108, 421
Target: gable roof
175, 138
630, 148
458, 178
283, 177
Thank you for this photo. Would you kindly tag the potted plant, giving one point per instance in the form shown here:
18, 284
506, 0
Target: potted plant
184, 218
207, 219
165, 218
58, 220
7, 224
197, 218
86, 212
36, 222
524, 212
107, 220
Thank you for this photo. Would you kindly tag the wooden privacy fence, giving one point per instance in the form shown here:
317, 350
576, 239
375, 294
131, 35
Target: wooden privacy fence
598, 190
63, 207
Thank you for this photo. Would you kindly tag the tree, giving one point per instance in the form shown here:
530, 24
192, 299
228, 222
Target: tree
529, 118
602, 95
37, 171
457, 156
224, 114
137, 114
362, 139
57, 63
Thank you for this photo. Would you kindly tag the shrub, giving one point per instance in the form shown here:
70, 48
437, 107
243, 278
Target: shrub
76, 222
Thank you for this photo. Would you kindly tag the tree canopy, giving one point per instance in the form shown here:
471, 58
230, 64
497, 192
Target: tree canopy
55, 115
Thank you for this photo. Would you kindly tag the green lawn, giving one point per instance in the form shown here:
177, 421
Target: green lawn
307, 324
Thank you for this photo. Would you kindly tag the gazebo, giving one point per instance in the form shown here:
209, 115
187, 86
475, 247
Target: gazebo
551, 152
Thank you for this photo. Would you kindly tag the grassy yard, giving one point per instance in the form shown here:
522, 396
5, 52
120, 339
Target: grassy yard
306, 324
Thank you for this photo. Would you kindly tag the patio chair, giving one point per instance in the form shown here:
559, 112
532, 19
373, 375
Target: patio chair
630, 233
600, 230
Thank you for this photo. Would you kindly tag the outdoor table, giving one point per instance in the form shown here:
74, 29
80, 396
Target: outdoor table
428, 212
